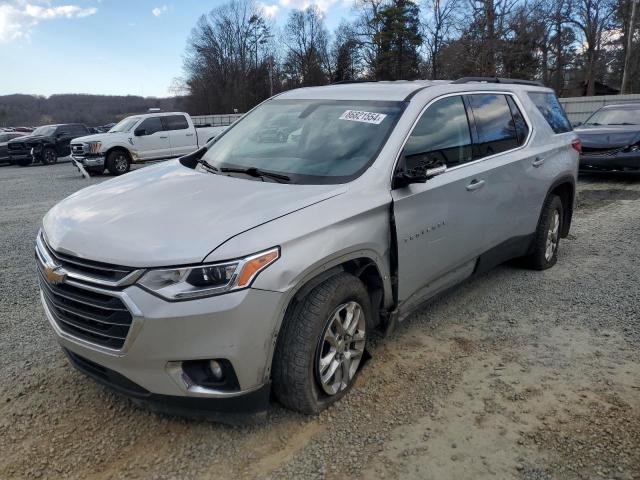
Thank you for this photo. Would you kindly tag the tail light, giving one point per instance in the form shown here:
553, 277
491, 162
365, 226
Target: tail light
577, 145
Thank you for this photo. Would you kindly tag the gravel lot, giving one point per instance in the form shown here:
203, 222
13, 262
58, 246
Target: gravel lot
515, 375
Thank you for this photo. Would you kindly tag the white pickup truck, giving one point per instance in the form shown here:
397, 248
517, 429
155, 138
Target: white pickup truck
140, 138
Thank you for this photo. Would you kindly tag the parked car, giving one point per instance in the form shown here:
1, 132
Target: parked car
4, 138
204, 283
611, 139
140, 138
45, 144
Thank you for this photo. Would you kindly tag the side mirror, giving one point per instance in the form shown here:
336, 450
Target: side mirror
576, 124
140, 132
61, 134
403, 178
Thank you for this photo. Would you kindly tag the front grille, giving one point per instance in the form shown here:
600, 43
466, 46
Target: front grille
601, 152
95, 317
77, 148
98, 270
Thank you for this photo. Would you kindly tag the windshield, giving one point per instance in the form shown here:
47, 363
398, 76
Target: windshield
125, 125
46, 130
619, 116
310, 141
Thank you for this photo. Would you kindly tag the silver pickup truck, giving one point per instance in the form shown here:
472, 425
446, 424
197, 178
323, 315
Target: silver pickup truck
264, 263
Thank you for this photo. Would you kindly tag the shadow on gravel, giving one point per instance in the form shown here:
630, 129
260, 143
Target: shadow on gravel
593, 199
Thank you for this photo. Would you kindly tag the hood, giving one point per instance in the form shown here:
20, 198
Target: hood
608, 136
96, 137
168, 214
28, 138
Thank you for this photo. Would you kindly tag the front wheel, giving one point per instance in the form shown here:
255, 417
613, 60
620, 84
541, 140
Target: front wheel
118, 162
544, 252
321, 345
49, 156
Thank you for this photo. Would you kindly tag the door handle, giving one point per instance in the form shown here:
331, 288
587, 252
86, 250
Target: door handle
189, 134
163, 136
537, 162
475, 185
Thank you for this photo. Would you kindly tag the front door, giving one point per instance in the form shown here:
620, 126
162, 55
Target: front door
440, 224
155, 141
183, 139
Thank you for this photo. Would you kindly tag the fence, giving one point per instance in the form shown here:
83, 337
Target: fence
215, 120
580, 108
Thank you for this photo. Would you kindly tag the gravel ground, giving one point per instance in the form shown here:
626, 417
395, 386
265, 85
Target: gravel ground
515, 375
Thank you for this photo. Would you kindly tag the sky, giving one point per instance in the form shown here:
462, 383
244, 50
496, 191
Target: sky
117, 47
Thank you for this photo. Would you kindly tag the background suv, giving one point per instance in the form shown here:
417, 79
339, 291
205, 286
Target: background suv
249, 266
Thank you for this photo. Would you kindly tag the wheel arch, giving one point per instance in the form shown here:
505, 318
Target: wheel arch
121, 148
565, 188
361, 266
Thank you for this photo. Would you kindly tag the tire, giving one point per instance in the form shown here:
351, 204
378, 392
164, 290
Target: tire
118, 162
304, 352
544, 251
49, 156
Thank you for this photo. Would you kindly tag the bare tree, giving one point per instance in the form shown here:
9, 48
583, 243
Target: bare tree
439, 26
307, 45
592, 18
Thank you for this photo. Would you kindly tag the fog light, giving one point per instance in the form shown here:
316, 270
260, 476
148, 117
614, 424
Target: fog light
216, 369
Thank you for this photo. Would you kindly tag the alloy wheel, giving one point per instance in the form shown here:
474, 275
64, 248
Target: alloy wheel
552, 236
121, 163
340, 351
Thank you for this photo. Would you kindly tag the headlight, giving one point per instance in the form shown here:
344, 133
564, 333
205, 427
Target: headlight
94, 147
184, 283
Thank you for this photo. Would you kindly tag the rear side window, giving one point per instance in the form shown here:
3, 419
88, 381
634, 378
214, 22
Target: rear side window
151, 125
175, 122
77, 129
551, 110
441, 136
522, 129
495, 124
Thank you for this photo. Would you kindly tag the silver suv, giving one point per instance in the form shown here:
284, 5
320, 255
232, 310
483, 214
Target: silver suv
263, 263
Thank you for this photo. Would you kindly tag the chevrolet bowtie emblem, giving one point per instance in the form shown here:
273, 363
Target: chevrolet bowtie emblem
54, 275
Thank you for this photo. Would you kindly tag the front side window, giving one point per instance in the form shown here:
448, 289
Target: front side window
151, 125
551, 110
494, 123
441, 136
175, 122
309, 141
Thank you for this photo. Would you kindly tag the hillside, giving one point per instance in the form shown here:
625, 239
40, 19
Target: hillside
31, 110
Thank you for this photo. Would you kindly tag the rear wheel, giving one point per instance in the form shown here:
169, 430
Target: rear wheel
544, 252
118, 162
49, 156
321, 345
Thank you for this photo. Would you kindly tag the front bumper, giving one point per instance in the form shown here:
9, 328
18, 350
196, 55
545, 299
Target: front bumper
621, 161
237, 326
89, 161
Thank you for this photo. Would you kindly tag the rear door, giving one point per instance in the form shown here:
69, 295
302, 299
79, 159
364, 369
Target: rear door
440, 224
501, 133
181, 136
155, 141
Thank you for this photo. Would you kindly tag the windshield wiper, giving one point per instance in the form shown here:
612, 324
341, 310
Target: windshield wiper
254, 172
207, 166
623, 123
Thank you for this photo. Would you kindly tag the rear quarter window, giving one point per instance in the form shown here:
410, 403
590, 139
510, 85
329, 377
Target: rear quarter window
551, 110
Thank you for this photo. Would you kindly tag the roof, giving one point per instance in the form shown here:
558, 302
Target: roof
626, 106
399, 90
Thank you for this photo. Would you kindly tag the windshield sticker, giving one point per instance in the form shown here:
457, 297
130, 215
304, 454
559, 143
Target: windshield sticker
366, 117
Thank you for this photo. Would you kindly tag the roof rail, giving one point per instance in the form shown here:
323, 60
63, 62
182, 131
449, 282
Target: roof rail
346, 82
498, 80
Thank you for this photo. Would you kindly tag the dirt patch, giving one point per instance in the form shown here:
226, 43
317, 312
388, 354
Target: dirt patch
600, 198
